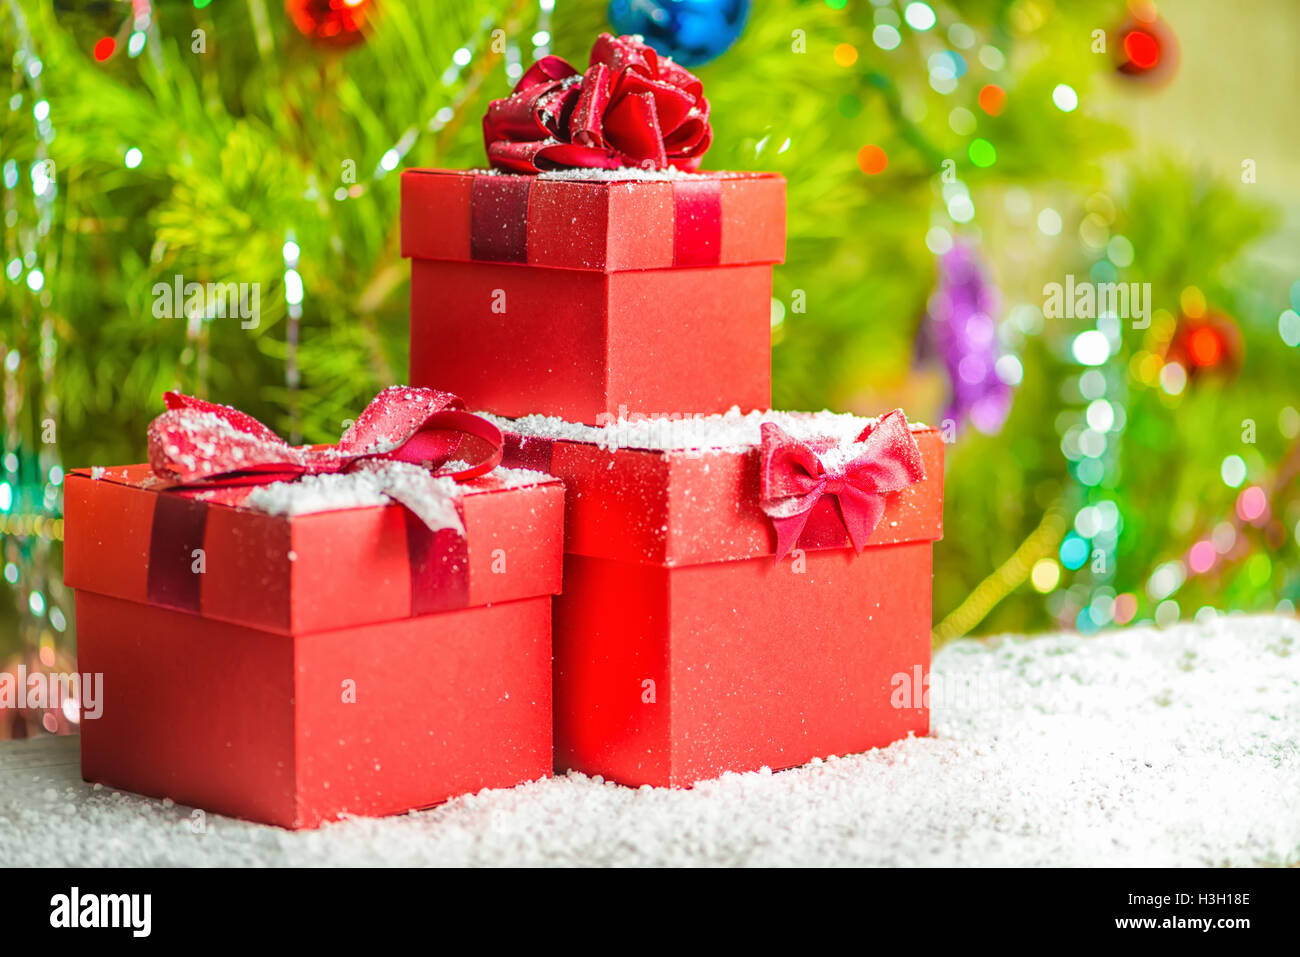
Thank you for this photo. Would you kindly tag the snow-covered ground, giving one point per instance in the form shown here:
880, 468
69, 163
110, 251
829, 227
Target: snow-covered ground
1136, 747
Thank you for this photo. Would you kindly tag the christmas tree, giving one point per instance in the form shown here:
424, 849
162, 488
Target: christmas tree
1111, 462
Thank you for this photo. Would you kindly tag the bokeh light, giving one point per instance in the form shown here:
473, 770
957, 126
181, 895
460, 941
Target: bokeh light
992, 99
1124, 608
1167, 613
1252, 505
1201, 557
1173, 378
1288, 327
886, 37
1045, 575
1090, 348
919, 16
982, 153
1074, 552
872, 159
1065, 98
1142, 49
1233, 471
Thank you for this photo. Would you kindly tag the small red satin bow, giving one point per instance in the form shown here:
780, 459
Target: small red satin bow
201, 443
794, 478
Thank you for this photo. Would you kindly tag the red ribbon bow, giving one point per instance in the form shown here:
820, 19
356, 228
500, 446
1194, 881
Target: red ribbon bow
201, 443
794, 478
631, 107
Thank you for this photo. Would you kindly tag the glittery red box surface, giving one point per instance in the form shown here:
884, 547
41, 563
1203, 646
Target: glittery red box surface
305, 675
585, 298
684, 651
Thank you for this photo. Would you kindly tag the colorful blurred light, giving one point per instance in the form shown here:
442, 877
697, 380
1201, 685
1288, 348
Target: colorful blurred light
992, 58
1204, 346
1074, 552
1192, 302
1224, 537
919, 16
1100, 415
982, 153
1167, 613
1259, 569
1066, 100
872, 159
962, 121
104, 48
846, 54
992, 99
886, 37
1173, 378
1233, 471
1166, 579
1288, 422
1252, 505
1201, 557
1120, 251
1090, 348
1045, 575
1142, 49
1288, 327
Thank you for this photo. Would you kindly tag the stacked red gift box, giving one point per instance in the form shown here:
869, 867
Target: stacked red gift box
740, 588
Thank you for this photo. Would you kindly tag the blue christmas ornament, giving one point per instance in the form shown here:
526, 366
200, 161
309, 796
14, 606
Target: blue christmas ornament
690, 31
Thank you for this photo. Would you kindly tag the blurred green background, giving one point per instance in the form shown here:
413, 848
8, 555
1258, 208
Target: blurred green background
1141, 473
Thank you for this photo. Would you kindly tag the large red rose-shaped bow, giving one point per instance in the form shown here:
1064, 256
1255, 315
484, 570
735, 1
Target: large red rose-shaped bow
631, 108
199, 443
885, 458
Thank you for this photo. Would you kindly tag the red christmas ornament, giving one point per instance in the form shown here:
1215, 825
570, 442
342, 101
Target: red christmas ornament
332, 22
1207, 344
1144, 47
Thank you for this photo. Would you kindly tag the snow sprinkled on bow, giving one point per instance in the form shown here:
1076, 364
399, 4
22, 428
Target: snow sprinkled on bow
794, 477
200, 443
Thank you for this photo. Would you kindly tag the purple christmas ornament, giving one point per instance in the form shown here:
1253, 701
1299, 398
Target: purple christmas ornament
964, 333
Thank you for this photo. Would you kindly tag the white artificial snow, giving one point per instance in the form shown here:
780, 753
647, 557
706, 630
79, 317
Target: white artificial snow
1136, 747
373, 485
318, 493
623, 174
728, 431
620, 174
520, 478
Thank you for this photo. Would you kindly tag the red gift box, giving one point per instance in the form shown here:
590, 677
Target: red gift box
683, 650
293, 668
599, 295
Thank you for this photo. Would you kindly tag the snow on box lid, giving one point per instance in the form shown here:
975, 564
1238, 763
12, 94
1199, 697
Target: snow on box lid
326, 552
602, 220
685, 490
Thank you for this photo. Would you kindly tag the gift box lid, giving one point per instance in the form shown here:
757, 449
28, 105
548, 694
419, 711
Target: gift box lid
320, 553
602, 220
691, 491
